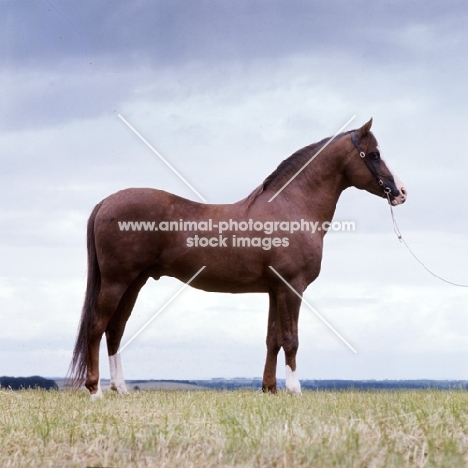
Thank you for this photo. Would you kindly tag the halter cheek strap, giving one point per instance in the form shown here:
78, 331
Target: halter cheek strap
366, 158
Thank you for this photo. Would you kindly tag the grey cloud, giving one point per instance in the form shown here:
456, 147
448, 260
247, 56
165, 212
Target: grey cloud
168, 32
66, 61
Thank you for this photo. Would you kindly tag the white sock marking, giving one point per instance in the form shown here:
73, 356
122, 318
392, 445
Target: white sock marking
98, 394
117, 379
292, 382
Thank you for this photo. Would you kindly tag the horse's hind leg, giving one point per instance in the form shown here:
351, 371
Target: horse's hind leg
106, 304
115, 330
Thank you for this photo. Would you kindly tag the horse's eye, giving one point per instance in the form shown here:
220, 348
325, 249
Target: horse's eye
375, 156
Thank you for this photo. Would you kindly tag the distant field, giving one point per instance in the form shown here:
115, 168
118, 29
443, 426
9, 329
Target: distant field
237, 428
143, 385
163, 386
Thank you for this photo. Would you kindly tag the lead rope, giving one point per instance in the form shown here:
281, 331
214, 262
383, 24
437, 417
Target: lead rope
400, 238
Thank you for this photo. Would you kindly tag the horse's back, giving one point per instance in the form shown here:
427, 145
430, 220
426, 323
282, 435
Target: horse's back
139, 201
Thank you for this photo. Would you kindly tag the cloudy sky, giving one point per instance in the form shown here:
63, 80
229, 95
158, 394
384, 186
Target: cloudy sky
225, 91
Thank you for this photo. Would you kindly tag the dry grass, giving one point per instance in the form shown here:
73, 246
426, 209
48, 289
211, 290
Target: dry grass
242, 428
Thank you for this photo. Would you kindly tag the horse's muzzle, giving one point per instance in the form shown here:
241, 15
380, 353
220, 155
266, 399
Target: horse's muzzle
399, 196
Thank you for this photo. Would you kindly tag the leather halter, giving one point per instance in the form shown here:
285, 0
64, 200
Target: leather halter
370, 163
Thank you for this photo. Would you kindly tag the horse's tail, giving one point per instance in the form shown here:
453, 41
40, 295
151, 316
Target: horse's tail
79, 363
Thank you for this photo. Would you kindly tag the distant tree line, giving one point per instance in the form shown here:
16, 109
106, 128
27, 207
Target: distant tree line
233, 384
420, 384
19, 383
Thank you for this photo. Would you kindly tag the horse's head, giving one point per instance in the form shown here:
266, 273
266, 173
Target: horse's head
366, 169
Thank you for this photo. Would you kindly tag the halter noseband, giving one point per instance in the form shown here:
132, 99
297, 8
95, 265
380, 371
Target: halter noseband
367, 158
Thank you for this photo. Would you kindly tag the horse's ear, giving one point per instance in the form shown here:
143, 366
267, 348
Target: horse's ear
364, 130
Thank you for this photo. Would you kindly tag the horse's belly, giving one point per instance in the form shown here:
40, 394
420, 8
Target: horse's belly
230, 275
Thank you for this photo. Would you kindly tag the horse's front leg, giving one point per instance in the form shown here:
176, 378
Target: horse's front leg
273, 344
282, 332
288, 312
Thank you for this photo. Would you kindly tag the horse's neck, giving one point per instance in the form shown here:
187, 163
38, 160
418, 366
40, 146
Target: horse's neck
313, 193
324, 196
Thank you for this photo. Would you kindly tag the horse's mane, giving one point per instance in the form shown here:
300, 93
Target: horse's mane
286, 169
291, 165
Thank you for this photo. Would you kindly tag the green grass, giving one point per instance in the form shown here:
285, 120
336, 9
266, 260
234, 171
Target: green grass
241, 428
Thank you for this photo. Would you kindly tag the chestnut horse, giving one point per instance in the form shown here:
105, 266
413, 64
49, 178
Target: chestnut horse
120, 260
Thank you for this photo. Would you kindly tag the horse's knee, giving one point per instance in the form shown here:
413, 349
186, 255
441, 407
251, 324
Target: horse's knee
290, 344
273, 342
273, 347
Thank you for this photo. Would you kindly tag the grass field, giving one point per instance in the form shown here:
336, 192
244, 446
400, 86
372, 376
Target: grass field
241, 428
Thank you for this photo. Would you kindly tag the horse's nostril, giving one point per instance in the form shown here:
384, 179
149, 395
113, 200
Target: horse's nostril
403, 191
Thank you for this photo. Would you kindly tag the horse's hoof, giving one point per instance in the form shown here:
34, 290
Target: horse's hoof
97, 395
269, 389
121, 389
